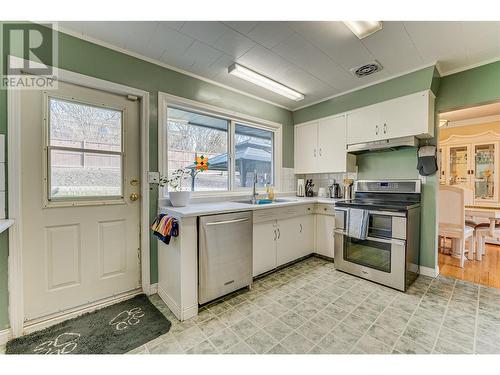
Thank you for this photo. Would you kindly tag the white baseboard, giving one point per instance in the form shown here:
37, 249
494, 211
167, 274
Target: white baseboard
428, 271
5, 335
190, 312
153, 289
180, 314
172, 305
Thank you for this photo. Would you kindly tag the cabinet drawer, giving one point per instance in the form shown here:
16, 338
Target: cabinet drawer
324, 209
279, 213
260, 216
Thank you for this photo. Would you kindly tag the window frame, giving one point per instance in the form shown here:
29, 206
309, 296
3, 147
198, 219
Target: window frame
167, 100
47, 148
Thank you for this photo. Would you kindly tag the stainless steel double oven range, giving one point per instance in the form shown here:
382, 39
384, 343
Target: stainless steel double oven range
389, 252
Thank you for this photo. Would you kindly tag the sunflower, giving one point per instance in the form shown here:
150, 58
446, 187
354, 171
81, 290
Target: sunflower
201, 163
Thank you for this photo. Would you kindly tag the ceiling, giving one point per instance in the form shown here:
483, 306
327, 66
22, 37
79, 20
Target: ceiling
486, 110
311, 57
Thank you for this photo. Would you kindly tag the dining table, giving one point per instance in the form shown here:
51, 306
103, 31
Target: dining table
491, 213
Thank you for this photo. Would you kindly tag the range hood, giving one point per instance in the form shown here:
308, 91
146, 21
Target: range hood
384, 144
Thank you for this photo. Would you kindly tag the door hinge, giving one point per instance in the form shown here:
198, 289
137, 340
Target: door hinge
132, 98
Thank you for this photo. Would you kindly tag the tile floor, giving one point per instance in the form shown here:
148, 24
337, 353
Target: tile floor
310, 307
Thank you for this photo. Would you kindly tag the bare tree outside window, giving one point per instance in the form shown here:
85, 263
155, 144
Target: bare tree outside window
192, 134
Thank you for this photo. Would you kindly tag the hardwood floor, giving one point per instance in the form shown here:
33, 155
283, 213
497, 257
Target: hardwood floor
484, 272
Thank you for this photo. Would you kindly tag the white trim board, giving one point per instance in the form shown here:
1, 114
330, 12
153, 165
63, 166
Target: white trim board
15, 270
428, 271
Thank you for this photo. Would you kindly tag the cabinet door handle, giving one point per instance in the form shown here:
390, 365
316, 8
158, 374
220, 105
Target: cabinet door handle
320, 152
279, 233
376, 129
314, 152
385, 128
300, 228
275, 235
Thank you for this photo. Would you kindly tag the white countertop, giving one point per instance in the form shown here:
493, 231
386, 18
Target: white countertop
5, 224
199, 209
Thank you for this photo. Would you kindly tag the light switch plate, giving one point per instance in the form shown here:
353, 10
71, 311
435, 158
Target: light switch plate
2, 176
154, 177
2, 148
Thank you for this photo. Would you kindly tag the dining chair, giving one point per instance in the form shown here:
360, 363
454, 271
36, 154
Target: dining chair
483, 230
452, 220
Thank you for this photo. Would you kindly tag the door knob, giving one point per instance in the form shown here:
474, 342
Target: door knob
134, 197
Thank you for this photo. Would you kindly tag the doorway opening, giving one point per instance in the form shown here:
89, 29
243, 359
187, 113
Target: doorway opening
469, 199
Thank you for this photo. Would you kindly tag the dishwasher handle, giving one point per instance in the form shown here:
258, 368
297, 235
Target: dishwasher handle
226, 222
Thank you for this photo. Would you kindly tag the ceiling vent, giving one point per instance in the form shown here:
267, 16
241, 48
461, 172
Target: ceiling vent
367, 69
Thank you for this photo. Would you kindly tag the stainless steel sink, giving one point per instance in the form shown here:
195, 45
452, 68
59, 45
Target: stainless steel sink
265, 201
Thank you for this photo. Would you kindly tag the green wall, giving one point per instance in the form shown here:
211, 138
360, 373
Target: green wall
93, 60
480, 85
390, 164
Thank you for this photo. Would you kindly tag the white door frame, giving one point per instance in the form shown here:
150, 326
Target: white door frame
15, 267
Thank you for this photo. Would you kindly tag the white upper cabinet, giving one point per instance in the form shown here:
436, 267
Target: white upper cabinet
364, 125
320, 147
410, 115
306, 146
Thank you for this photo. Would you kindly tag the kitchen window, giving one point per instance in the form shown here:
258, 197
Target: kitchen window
235, 148
84, 151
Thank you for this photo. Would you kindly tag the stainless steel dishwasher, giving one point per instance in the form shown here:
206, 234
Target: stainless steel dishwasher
224, 254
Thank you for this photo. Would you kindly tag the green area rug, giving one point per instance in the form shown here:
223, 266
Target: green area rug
114, 329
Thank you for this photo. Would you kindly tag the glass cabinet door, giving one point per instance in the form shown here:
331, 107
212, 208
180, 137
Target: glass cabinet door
484, 171
459, 165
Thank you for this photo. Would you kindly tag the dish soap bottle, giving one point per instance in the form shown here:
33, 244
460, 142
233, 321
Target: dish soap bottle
270, 192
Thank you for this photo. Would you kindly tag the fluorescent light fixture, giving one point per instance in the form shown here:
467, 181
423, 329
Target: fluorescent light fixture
363, 28
262, 81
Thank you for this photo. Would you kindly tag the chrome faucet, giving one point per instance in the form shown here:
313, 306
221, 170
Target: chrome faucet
254, 192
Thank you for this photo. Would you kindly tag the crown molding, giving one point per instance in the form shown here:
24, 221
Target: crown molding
472, 121
445, 73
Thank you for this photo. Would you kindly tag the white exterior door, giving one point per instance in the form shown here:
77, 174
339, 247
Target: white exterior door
80, 198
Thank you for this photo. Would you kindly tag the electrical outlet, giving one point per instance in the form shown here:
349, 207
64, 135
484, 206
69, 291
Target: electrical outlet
154, 177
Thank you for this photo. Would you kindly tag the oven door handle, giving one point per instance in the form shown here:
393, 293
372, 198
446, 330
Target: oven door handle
393, 241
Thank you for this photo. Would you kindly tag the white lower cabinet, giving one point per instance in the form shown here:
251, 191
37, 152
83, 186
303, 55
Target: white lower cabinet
264, 247
295, 238
277, 242
325, 235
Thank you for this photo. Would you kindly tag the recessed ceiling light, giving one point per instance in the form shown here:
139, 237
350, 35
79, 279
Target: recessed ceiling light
262, 81
363, 28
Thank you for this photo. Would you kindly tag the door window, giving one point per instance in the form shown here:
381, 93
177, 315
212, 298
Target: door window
84, 151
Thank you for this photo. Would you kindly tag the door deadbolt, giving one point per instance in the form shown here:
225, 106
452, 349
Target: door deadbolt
134, 197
